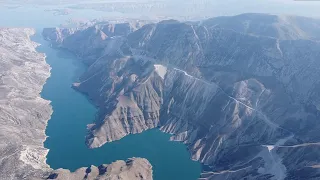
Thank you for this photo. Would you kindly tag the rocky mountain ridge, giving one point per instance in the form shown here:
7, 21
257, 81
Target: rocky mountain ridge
240, 92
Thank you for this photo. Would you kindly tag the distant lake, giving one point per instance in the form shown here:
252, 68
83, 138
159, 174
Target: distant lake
72, 111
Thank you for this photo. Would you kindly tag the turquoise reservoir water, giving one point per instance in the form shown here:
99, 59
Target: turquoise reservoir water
72, 112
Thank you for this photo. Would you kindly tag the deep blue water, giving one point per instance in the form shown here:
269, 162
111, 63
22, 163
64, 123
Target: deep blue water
72, 112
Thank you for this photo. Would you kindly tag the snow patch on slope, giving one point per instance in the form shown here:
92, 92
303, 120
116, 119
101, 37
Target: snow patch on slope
160, 70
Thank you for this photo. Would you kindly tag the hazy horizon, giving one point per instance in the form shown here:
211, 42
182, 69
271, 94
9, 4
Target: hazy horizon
192, 8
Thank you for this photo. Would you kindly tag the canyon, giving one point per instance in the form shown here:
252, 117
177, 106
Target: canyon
241, 91
24, 116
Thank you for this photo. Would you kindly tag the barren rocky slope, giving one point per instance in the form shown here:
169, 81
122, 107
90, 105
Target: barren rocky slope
245, 101
132, 169
24, 115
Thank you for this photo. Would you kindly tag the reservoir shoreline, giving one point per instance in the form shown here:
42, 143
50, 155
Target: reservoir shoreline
73, 111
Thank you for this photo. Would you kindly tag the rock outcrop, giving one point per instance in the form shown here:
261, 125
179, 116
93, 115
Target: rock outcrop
132, 169
243, 96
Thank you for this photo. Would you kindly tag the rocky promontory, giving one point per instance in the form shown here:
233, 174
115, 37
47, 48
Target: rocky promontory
131, 169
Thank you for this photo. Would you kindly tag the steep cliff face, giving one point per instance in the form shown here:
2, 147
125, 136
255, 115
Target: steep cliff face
243, 101
90, 40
